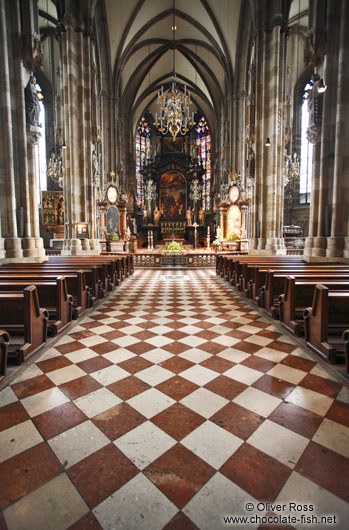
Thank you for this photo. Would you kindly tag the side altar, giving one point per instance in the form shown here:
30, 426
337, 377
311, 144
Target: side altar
233, 216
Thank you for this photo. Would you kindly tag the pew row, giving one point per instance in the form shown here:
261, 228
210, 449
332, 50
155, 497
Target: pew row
29, 333
325, 323
276, 285
299, 294
76, 284
53, 295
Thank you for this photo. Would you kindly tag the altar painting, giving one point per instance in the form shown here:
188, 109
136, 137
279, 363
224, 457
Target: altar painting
234, 220
112, 220
173, 195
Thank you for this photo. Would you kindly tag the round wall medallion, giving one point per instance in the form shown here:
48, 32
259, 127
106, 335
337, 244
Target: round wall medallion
112, 194
234, 193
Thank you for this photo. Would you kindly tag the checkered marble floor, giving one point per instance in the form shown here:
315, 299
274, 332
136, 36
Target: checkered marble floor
170, 406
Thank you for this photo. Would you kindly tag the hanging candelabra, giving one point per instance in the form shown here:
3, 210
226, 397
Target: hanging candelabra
195, 194
292, 167
150, 194
174, 115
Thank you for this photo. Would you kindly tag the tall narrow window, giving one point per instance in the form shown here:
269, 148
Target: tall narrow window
142, 145
306, 152
41, 152
203, 142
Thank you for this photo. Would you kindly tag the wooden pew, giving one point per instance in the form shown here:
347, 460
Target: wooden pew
4, 342
106, 268
91, 274
25, 322
345, 338
299, 295
275, 285
76, 284
326, 321
260, 272
53, 295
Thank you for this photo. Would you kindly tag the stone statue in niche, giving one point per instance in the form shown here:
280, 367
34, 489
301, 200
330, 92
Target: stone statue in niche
149, 153
186, 145
95, 169
32, 105
315, 104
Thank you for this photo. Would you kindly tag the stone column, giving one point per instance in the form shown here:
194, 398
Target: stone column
33, 137
329, 218
340, 194
122, 209
267, 204
9, 240
76, 86
223, 221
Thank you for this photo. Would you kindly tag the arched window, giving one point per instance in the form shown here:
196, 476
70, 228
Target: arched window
142, 145
42, 163
306, 158
203, 142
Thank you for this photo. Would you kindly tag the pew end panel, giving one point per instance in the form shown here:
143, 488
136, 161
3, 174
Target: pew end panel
29, 333
326, 323
4, 343
345, 338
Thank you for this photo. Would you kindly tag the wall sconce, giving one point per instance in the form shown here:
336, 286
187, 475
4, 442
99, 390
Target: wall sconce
321, 87
267, 143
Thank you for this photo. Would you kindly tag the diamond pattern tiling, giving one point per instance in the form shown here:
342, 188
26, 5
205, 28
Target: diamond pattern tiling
172, 404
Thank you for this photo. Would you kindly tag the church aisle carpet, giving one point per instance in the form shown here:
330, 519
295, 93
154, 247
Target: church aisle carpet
173, 405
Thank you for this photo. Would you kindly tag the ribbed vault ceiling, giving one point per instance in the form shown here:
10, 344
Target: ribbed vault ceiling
141, 51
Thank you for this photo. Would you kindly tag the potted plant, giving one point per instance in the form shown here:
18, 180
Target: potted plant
113, 243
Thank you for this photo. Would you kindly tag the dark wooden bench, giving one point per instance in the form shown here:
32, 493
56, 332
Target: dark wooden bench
91, 275
326, 321
299, 295
25, 322
275, 286
4, 342
76, 284
53, 295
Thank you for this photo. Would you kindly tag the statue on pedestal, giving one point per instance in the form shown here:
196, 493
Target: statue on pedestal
32, 105
201, 217
189, 216
145, 216
157, 216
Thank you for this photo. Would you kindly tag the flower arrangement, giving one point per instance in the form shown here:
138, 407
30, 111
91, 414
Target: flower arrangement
232, 236
113, 236
216, 243
174, 247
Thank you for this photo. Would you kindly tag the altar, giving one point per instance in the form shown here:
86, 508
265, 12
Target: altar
232, 232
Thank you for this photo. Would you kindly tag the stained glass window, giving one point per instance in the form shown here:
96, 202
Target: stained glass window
203, 141
306, 150
142, 145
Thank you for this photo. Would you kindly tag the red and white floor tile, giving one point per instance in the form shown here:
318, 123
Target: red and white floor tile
173, 404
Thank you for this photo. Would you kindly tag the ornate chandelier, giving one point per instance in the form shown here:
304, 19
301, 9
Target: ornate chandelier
292, 167
174, 106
